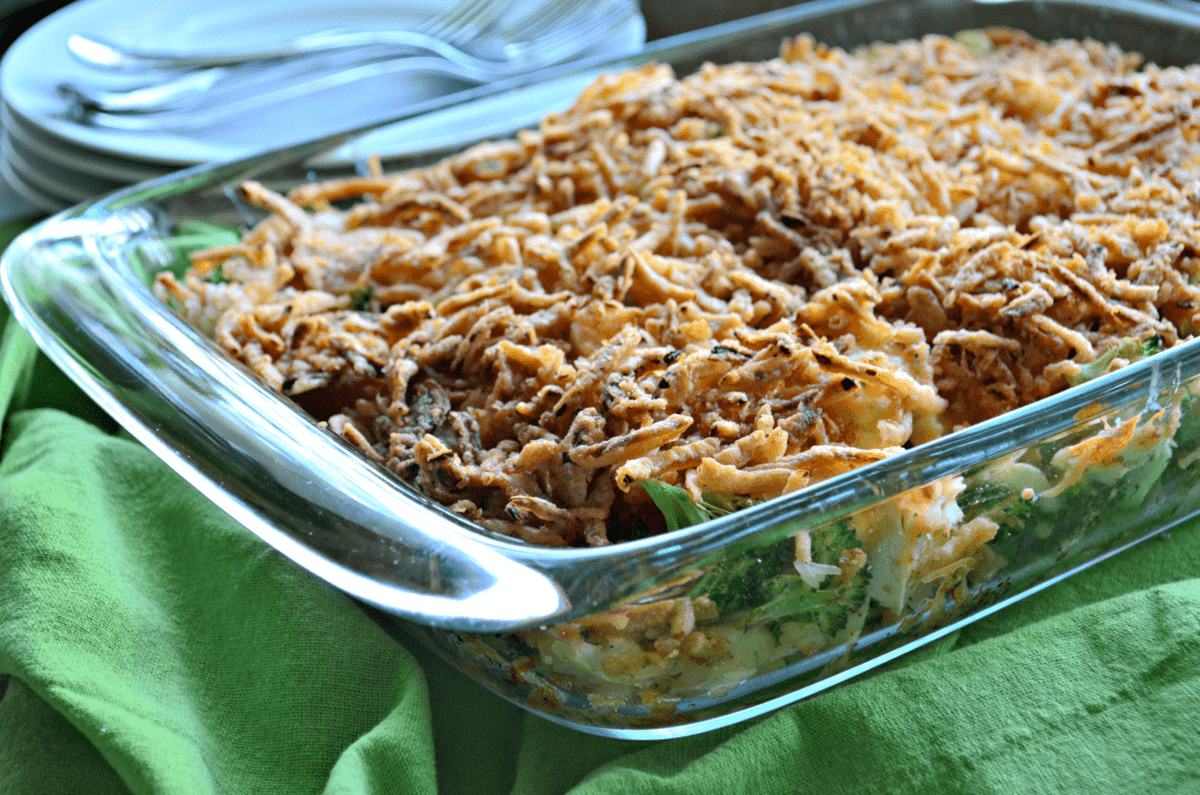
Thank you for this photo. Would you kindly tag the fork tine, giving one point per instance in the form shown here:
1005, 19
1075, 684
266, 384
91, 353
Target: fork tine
461, 20
577, 22
545, 18
591, 29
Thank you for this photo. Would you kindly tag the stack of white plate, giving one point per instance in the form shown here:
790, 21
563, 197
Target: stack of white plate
55, 161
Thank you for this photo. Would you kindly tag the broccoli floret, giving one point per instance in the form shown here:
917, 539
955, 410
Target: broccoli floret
677, 506
738, 582
999, 502
789, 599
360, 300
828, 543
829, 607
1020, 520
746, 580
680, 510
981, 498
1055, 524
721, 504
977, 42
764, 580
1128, 348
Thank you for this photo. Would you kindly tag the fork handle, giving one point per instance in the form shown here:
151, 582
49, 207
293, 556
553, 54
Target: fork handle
212, 110
213, 84
105, 55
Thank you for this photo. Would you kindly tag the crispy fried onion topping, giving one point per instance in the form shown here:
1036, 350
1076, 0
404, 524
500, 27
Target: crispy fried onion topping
744, 281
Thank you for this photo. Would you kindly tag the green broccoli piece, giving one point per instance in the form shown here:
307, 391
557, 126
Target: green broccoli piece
722, 504
830, 606
677, 506
764, 580
1017, 517
1000, 502
829, 543
982, 498
1102, 498
1088, 511
1020, 519
977, 42
1129, 348
746, 580
829, 609
680, 510
738, 582
360, 300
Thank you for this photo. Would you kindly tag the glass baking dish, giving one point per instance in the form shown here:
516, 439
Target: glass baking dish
625, 640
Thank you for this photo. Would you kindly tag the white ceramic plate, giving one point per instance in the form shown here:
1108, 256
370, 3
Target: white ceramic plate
38, 61
20, 184
55, 177
84, 161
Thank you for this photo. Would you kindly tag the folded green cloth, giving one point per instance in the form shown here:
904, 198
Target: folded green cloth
152, 645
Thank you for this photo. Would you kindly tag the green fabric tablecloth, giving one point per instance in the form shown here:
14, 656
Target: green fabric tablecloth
152, 645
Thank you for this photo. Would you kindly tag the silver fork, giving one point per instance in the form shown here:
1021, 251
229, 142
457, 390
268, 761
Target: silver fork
456, 24
532, 42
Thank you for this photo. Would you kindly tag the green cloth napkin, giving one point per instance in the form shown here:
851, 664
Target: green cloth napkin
152, 645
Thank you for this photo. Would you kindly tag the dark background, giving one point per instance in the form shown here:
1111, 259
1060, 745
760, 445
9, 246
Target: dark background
663, 17
16, 17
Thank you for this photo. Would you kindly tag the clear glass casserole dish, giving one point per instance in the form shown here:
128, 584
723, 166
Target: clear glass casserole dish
676, 633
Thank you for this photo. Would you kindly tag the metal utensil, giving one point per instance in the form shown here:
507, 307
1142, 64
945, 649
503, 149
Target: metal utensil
190, 83
536, 40
459, 22
203, 72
